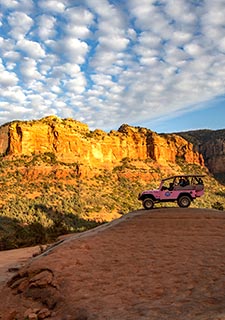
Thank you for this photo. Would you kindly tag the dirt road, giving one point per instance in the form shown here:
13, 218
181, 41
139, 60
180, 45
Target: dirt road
164, 264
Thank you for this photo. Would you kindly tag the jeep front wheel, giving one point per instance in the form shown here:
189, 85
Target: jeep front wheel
184, 201
148, 203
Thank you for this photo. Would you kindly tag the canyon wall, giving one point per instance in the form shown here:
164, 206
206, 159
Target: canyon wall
211, 144
72, 141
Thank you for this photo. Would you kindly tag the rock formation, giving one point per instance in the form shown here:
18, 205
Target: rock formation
166, 265
211, 144
72, 141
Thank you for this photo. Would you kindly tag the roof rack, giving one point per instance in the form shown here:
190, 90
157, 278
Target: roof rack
185, 176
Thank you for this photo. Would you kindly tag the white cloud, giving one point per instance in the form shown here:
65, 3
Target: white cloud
115, 43
214, 13
31, 49
141, 9
103, 60
70, 69
20, 24
149, 40
46, 27
103, 80
77, 21
79, 14
72, 49
180, 38
35, 100
6, 45
28, 70
57, 6
56, 89
9, 4
193, 49
13, 93
20, 5
146, 15
111, 34
76, 85
221, 44
184, 13
7, 79
11, 56
49, 61
77, 31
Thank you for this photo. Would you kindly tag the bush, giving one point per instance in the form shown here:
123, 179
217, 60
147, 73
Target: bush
218, 206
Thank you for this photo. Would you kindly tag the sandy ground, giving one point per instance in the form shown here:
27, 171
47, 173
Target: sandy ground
164, 264
12, 260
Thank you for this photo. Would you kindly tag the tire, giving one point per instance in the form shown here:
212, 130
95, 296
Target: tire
184, 201
148, 203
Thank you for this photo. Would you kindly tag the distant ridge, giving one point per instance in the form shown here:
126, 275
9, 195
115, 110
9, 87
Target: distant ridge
211, 144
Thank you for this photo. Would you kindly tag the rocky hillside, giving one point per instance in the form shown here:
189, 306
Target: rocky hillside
58, 177
72, 141
211, 144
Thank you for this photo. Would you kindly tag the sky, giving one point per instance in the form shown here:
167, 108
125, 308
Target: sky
158, 64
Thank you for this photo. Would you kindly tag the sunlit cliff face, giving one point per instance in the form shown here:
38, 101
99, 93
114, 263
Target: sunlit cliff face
72, 141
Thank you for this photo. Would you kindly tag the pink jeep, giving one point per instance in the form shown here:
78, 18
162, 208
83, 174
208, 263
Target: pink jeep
181, 188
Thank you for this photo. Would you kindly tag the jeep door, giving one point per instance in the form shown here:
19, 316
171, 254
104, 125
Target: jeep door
167, 192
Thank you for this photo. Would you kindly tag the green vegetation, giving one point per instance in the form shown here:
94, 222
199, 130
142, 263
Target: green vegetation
218, 206
42, 198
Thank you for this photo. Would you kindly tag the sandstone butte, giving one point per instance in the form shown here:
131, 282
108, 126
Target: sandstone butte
167, 264
72, 141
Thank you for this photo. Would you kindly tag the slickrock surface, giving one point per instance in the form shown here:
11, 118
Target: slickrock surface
164, 264
12, 260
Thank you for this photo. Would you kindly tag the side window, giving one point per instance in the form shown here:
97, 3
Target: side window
168, 185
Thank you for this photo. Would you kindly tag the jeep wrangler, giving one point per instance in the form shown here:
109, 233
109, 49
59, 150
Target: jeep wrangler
182, 189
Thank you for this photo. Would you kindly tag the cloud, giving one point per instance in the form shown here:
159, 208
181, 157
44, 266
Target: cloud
76, 85
28, 69
112, 35
67, 69
46, 27
9, 4
30, 48
71, 49
79, 21
6, 45
108, 62
25, 6
20, 24
14, 94
115, 43
7, 79
56, 6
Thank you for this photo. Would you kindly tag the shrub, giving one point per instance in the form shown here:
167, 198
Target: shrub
217, 205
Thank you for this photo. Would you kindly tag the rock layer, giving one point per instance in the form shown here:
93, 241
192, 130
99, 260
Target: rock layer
72, 141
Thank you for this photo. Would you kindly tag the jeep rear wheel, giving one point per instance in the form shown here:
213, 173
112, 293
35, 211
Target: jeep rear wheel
148, 203
184, 201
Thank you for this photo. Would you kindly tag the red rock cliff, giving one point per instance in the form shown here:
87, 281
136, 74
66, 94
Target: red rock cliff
72, 141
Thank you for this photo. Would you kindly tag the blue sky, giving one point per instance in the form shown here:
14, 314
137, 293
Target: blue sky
157, 64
